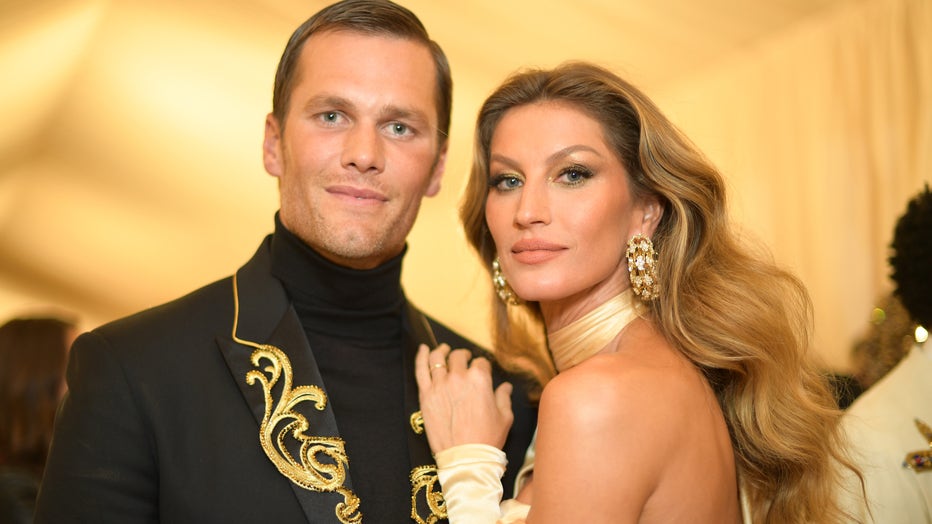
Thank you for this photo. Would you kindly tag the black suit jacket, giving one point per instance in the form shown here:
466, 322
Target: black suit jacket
161, 425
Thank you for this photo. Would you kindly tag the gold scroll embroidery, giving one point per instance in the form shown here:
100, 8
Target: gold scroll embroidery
323, 461
921, 461
424, 479
417, 422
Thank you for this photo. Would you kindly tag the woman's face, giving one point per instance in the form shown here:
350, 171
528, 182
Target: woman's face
559, 206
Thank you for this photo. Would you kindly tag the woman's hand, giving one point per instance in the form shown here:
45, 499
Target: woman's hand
457, 401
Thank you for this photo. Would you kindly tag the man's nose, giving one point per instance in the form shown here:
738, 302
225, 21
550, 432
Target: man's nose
363, 150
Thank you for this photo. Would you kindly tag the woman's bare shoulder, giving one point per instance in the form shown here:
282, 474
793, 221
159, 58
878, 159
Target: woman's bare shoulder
610, 416
646, 381
619, 417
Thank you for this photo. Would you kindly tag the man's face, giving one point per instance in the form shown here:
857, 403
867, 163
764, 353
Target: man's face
359, 147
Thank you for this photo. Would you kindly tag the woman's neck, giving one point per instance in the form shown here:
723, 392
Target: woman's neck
560, 313
594, 331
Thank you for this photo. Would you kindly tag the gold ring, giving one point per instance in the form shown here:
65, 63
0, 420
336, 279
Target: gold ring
438, 365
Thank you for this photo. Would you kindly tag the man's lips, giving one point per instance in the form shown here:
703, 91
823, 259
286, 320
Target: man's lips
534, 251
357, 193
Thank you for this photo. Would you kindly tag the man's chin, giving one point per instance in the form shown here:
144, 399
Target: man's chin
359, 251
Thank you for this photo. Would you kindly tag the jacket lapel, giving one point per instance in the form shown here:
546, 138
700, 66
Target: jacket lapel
426, 497
271, 362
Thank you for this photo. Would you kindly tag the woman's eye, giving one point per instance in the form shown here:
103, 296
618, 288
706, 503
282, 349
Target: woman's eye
575, 175
505, 182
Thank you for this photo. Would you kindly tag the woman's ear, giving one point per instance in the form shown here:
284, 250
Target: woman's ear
651, 213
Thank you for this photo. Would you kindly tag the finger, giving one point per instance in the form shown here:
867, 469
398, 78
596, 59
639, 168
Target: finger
459, 359
421, 367
503, 398
437, 361
481, 364
481, 369
439, 355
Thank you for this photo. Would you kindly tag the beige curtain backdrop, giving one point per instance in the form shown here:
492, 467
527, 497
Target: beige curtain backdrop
133, 174
824, 134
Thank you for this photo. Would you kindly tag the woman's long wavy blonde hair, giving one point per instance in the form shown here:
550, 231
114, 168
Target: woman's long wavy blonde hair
740, 319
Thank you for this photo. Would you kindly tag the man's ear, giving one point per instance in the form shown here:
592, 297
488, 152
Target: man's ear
433, 186
272, 146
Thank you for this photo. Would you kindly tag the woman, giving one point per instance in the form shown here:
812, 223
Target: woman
682, 358
33, 354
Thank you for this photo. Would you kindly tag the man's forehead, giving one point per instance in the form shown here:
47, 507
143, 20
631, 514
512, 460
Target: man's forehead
384, 72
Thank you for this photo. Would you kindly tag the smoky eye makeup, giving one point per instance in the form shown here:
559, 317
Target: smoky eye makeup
574, 174
505, 182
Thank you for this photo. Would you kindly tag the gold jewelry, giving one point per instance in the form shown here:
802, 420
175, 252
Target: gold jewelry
437, 365
502, 288
585, 337
642, 267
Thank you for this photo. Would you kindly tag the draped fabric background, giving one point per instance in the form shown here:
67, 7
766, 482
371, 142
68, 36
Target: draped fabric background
130, 167
824, 134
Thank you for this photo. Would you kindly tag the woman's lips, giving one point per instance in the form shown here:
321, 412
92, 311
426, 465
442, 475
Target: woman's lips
534, 251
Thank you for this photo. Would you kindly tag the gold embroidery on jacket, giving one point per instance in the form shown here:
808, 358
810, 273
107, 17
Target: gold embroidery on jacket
424, 478
920, 461
322, 461
417, 422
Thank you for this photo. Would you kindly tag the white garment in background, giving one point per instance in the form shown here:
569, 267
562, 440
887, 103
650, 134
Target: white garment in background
881, 427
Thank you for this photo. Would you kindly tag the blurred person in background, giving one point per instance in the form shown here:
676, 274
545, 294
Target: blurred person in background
33, 353
890, 337
889, 425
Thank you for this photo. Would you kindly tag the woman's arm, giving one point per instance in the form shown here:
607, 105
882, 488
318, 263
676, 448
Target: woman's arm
466, 424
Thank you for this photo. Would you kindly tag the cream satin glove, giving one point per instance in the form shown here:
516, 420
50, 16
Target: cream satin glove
471, 478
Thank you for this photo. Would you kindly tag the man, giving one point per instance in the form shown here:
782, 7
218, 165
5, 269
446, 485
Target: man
890, 425
286, 393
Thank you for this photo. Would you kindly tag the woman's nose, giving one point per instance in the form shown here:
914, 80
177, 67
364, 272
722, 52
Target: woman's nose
533, 206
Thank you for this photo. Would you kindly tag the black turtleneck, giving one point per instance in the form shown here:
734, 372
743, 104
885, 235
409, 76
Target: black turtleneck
353, 321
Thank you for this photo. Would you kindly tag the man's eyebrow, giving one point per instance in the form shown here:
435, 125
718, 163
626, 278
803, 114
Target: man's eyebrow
328, 101
392, 111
